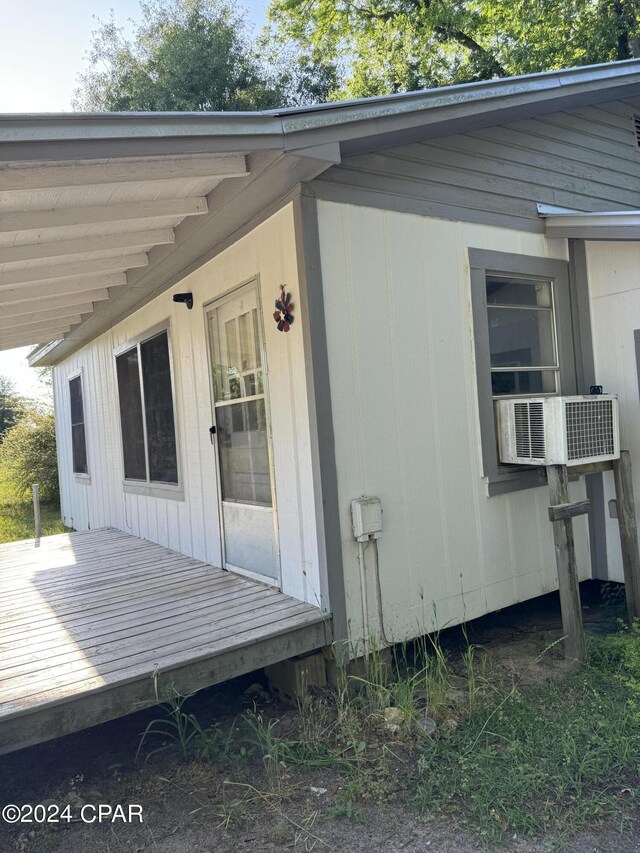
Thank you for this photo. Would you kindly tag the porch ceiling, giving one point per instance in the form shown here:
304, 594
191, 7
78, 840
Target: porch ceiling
72, 231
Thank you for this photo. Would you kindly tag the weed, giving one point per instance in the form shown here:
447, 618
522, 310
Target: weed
555, 758
179, 728
348, 809
613, 594
281, 752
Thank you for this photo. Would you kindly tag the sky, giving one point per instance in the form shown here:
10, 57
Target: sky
42, 48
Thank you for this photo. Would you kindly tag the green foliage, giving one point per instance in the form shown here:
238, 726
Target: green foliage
16, 516
193, 55
11, 405
28, 455
182, 730
386, 46
560, 757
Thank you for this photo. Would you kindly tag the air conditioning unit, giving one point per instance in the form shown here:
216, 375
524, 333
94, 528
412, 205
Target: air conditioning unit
558, 430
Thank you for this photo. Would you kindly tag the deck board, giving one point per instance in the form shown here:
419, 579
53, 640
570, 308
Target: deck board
88, 619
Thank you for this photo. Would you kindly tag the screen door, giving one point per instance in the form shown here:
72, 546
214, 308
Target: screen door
242, 434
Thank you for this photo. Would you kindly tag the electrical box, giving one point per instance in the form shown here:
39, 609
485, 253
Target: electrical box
366, 516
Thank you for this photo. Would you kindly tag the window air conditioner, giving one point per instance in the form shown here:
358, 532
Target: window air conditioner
558, 430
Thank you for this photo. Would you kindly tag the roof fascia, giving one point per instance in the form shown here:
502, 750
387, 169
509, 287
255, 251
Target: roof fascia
357, 125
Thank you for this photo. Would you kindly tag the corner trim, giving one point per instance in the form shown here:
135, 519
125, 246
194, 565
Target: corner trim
307, 236
586, 376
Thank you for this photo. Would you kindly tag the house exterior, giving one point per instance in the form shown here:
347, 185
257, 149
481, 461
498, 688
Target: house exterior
440, 249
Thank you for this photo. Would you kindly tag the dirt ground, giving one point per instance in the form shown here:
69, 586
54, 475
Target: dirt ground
208, 807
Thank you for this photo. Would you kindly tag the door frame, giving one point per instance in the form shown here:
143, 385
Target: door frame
227, 295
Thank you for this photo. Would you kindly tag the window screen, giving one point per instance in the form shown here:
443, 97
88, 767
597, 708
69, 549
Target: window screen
158, 407
146, 412
522, 343
78, 439
131, 415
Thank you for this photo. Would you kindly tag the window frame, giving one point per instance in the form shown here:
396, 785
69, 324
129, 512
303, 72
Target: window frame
483, 262
80, 476
149, 487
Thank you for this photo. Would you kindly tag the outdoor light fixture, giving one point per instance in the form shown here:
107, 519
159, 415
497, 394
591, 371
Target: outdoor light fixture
186, 298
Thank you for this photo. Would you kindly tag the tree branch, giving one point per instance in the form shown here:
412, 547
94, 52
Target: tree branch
472, 45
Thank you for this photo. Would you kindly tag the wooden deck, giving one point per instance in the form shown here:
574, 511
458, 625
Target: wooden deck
87, 619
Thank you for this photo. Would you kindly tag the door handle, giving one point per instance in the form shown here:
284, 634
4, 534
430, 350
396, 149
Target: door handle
212, 432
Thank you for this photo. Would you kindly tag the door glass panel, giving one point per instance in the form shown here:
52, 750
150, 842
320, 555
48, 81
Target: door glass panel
240, 406
237, 367
244, 455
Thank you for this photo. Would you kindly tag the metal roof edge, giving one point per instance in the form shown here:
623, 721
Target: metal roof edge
271, 127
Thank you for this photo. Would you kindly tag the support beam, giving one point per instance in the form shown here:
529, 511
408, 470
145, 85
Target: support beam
107, 242
25, 293
66, 316
80, 303
36, 220
117, 171
572, 628
628, 533
48, 328
571, 510
32, 338
83, 269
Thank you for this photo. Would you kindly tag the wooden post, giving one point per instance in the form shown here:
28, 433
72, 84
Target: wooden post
36, 509
628, 533
574, 646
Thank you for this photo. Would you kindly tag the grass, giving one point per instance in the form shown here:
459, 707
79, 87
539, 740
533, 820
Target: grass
558, 758
16, 515
561, 757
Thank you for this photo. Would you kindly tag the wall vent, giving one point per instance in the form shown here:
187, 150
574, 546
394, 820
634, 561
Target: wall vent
529, 429
636, 127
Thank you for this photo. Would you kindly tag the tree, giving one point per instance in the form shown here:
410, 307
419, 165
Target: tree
28, 454
192, 55
11, 405
399, 45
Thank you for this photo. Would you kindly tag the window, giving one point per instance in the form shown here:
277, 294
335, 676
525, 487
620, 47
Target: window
78, 439
145, 393
522, 339
523, 342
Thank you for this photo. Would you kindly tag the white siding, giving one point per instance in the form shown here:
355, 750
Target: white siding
401, 361
614, 289
191, 526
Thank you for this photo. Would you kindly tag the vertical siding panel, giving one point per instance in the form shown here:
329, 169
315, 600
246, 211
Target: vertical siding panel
449, 398
405, 354
192, 525
614, 289
421, 521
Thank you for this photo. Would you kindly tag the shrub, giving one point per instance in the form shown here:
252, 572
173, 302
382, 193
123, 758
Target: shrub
28, 455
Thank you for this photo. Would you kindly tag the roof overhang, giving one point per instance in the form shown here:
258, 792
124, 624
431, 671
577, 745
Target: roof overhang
99, 213
604, 225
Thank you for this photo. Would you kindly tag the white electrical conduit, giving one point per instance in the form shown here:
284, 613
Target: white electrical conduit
363, 598
364, 595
